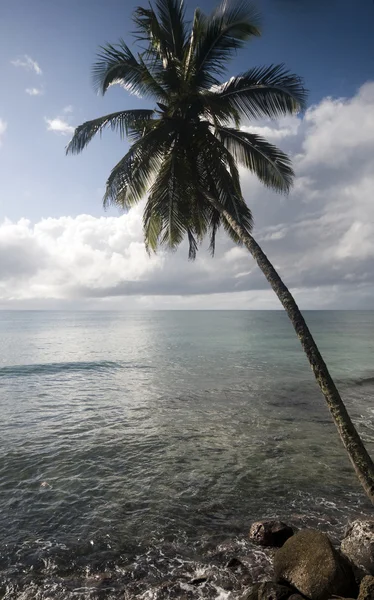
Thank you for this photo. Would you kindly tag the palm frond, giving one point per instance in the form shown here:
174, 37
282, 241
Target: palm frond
171, 15
175, 207
225, 31
164, 34
219, 179
166, 201
217, 111
197, 30
132, 177
117, 64
271, 165
124, 122
269, 92
148, 29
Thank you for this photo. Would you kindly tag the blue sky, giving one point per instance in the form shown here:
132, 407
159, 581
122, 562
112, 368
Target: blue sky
47, 49
332, 47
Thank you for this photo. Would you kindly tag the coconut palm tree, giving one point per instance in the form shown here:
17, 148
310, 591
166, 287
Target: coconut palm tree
185, 152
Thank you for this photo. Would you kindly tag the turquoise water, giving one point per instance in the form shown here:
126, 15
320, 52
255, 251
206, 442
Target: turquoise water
126, 437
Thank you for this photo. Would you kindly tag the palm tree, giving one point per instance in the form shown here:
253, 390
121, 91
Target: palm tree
185, 152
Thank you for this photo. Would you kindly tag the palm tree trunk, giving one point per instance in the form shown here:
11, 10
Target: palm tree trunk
357, 452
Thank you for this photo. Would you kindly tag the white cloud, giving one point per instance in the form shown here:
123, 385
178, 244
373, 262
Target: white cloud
68, 109
3, 128
34, 91
321, 238
59, 125
275, 131
339, 129
27, 63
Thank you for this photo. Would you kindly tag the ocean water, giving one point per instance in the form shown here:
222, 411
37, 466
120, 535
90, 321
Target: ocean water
137, 448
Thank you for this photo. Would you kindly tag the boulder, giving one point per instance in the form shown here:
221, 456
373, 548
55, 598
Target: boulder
358, 545
367, 588
309, 563
268, 590
270, 533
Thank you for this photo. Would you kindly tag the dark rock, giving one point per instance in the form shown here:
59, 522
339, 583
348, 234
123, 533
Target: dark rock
367, 588
268, 591
310, 564
296, 597
358, 545
198, 580
270, 533
234, 564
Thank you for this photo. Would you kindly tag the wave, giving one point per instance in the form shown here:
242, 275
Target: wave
362, 381
55, 368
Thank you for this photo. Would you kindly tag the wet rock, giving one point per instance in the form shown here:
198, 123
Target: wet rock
309, 563
358, 545
268, 591
198, 580
270, 533
234, 564
367, 588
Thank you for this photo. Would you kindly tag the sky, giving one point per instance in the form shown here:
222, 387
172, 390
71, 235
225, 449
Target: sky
60, 249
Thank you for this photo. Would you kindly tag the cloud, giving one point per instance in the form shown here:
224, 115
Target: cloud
321, 237
3, 128
59, 125
68, 109
34, 91
275, 131
27, 63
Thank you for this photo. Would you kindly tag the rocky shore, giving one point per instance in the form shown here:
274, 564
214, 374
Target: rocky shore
302, 564
307, 565
275, 561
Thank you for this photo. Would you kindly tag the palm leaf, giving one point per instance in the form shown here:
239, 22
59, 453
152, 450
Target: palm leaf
117, 64
133, 175
172, 20
219, 179
175, 207
165, 202
164, 37
225, 30
269, 92
271, 165
125, 122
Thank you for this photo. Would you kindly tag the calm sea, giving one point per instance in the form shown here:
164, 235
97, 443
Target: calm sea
135, 445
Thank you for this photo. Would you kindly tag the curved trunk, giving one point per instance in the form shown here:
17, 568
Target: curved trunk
357, 452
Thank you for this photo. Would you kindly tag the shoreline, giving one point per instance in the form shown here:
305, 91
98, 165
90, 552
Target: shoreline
230, 570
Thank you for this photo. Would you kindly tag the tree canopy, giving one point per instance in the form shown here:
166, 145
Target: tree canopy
186, 152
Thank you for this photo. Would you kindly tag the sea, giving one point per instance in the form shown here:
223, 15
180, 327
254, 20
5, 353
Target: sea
137, 448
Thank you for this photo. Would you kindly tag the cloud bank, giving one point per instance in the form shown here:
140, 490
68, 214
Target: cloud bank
321, 238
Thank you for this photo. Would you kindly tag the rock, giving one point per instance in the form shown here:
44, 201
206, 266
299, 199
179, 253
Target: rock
198, 580
234, 564
270, 533
296, 597
268, 591
358, 545
367, 588
310, 564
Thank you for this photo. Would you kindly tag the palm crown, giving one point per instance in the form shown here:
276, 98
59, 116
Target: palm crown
186, 151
